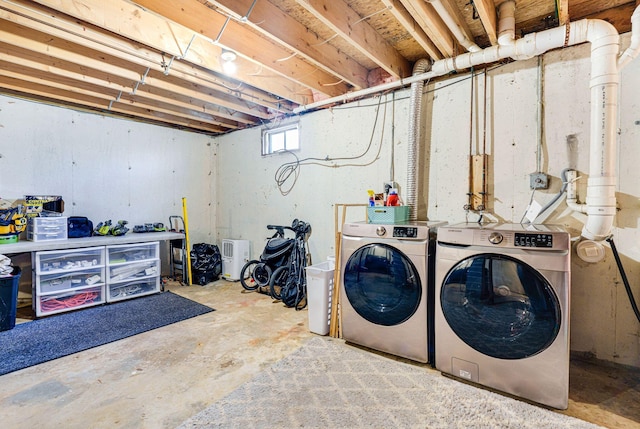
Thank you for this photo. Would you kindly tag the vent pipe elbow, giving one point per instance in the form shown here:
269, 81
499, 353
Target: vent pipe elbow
507, 23
634, 48
415, 113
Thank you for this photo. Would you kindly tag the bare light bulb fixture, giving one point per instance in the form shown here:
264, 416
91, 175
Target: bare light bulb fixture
228, 55
228, 61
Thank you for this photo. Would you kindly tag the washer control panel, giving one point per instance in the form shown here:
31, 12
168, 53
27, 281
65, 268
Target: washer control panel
533, 240
405, 232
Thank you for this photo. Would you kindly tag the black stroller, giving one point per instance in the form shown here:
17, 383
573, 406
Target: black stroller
277, 253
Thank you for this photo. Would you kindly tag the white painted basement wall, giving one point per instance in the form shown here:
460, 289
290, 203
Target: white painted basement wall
603, 323
106, 168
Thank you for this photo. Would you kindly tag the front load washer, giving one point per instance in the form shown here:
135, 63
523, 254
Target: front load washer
502, 295
385, 291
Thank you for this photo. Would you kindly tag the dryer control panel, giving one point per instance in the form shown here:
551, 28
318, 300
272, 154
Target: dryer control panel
533, 240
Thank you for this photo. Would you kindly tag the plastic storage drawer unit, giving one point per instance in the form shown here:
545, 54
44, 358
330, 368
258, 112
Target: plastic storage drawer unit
47, 228
67, 280
132, 270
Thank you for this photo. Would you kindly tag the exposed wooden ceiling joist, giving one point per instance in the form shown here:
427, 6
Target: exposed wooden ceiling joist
337, 15
487, 11
405, 18
432, 24
160, 60
68, 60
237, 37
176, 41
274, 23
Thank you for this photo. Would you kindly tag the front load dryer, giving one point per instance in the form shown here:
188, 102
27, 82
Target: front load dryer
385, 291
502, 295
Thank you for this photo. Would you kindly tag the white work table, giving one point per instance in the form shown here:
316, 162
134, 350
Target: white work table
109, 287
75, 243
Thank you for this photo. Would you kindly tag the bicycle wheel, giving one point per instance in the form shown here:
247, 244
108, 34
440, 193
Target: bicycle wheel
246, 275
278, 280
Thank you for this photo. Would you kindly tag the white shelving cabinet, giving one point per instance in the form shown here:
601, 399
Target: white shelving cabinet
132, 270
65, 280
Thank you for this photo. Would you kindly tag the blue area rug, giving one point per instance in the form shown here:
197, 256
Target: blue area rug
42, 340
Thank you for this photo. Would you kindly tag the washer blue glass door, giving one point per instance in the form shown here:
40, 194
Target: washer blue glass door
382, 284
500, 306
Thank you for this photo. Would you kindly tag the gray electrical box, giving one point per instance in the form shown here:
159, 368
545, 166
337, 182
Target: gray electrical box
539, 181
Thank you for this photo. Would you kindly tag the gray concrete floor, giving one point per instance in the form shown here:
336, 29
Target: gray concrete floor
160, 378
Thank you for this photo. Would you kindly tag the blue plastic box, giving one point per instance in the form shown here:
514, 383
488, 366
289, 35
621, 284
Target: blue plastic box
387, 214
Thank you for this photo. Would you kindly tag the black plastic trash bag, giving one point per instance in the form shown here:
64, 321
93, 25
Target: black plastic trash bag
206, 263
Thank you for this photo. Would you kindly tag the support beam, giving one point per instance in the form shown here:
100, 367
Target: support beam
115, 73
338, 16
404, 17
136, 23
239, 38
30, 16
271, 22
433, 26
489, 17
54, 95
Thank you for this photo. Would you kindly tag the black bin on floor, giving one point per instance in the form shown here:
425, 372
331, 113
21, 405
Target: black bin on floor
9, 299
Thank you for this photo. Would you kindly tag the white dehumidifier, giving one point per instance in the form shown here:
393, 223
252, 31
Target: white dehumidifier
235, 253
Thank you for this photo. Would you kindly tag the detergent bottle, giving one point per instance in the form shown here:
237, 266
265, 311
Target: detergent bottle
392, 199
372, 197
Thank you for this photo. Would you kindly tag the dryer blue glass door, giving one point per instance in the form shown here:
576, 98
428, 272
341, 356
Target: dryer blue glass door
382, 284
500, 306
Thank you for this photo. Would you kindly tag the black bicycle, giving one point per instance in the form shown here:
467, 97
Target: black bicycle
256, 274
289, 282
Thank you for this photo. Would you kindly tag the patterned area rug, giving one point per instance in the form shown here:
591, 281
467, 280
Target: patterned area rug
330, 384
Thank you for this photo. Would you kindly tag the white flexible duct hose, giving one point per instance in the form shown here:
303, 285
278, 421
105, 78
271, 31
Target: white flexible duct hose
415, 113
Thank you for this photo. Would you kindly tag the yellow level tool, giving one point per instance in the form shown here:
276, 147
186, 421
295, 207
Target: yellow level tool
186, 237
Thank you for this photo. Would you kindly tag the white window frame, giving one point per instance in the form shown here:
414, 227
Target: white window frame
268, 136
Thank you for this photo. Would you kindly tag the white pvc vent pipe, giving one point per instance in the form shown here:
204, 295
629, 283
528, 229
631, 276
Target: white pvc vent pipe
605, 67
634, 47
451, 24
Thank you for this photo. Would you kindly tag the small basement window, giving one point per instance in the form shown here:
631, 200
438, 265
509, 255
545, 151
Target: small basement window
281, 138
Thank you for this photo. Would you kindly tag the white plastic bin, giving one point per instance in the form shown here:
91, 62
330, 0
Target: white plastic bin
319, 294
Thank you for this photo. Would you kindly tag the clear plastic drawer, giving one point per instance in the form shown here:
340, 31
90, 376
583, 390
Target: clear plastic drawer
132, 289
134, 270
43, 236
122, 254
60, 281
62, 261
71, 300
